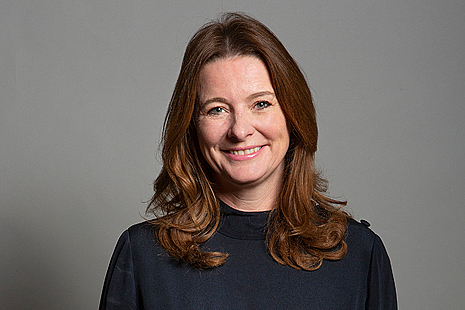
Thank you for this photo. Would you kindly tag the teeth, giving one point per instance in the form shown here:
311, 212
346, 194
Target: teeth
246, 152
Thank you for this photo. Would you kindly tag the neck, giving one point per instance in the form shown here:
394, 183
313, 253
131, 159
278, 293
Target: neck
250, 197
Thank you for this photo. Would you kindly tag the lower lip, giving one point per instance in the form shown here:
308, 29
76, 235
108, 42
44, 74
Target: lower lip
245, 156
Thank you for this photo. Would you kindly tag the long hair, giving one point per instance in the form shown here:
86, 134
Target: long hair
306, 226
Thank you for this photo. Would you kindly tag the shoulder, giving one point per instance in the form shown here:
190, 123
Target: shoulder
366, 248
142, 229
360, 237
138, 245
119, 289
140, 234
137, 238
360, 228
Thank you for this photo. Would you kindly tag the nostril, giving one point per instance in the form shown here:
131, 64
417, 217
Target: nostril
240, 129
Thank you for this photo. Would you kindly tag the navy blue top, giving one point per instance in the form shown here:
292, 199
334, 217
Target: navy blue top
141, 275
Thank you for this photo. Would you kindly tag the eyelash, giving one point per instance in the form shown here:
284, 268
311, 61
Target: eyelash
213, 112
262, 101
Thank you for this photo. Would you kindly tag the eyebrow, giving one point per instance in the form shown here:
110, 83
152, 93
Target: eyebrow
252, 96
261, 94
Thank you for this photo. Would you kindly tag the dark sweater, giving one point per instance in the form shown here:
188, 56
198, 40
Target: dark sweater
141, 275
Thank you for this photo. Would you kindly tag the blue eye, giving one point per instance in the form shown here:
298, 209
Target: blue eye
216, 110
262, 104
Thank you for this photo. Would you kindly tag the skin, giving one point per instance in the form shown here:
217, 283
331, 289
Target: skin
243, 133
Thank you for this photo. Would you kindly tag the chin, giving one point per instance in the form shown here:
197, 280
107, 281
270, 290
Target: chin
239, 179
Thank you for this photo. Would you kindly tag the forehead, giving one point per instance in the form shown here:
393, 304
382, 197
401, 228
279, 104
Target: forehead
240, 73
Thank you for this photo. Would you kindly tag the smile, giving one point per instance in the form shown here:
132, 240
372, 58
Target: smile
246, 152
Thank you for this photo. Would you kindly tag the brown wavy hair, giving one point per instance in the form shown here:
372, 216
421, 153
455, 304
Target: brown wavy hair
306, 226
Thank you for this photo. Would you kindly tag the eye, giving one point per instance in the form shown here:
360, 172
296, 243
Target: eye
215, 111
262, 104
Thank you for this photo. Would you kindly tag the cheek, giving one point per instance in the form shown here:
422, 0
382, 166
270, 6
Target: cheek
277, 128
209, 134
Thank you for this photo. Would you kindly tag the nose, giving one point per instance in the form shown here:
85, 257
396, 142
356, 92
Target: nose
241, 126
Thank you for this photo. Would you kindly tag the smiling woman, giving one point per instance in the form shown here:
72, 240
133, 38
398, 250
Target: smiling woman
242, 219
242, 131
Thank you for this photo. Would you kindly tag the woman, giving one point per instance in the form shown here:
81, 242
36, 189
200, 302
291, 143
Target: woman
242, 218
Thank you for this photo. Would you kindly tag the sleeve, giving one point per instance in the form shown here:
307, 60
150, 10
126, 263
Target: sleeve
119, 289
381, 287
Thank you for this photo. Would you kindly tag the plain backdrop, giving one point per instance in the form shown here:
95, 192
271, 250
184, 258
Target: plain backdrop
84, 86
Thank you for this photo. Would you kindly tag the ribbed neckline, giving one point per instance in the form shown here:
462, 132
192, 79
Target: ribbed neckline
243, 225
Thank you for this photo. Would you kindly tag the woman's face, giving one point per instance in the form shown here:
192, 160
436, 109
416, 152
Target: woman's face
242, 130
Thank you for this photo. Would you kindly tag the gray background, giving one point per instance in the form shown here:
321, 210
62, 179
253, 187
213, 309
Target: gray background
84, 86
